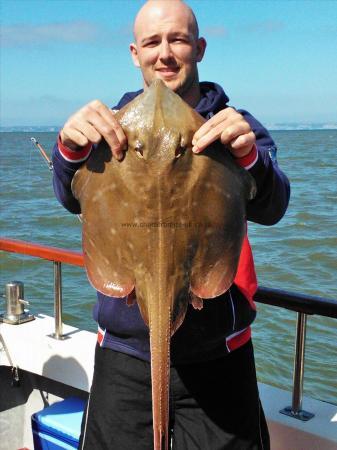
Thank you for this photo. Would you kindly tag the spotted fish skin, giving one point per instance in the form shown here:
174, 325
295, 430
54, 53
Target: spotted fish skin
164, 221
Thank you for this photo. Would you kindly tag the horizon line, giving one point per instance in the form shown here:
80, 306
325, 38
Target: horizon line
272, 126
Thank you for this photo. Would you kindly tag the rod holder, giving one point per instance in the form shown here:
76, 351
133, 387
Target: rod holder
295, 410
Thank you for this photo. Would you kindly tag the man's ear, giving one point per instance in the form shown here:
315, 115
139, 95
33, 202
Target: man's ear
134, 54
201, 47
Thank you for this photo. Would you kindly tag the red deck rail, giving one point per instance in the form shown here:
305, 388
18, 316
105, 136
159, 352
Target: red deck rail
42, 251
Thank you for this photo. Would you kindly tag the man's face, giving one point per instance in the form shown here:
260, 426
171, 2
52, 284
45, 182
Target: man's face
167, 48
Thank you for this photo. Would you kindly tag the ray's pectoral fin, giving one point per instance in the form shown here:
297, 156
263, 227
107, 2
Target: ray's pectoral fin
222, 220
110, 283
213, 274
106, 253
105, 268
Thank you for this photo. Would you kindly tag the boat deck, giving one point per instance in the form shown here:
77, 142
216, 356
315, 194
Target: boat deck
51, 369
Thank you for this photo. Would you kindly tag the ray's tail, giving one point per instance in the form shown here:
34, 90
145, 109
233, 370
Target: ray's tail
160, 334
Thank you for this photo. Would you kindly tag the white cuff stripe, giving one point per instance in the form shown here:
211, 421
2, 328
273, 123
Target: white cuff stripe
252, 163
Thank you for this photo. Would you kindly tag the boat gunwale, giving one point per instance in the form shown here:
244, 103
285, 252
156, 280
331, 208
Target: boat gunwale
298, 302
42, 251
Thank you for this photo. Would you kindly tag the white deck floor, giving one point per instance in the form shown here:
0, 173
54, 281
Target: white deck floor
70, 361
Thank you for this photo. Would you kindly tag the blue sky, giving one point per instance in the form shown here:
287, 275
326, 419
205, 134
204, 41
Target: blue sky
275, 58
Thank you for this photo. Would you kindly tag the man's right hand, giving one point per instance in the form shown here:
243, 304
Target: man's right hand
92, 123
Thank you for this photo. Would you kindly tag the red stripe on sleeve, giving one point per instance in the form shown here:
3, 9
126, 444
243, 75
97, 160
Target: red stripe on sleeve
239, 340
249, 160
74, 155
100, 337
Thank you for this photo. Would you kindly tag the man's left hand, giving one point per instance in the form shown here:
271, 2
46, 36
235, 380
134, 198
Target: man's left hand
231, 128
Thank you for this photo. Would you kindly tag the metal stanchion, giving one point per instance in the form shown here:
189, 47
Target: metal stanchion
58, 301
295, 410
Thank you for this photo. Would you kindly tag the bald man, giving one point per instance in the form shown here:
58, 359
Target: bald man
214, 400
167, 46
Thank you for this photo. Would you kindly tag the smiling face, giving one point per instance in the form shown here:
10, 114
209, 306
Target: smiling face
167, 47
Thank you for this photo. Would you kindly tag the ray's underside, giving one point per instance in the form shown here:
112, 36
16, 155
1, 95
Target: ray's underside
163, 221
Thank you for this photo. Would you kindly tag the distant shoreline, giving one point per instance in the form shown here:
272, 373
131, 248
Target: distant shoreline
270, 127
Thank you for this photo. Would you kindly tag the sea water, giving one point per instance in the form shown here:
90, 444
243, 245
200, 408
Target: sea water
297, 254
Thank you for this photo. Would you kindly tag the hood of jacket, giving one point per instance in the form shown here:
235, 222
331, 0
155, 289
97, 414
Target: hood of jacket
212, 100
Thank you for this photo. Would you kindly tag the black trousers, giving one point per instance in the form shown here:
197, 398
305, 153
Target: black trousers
213, 405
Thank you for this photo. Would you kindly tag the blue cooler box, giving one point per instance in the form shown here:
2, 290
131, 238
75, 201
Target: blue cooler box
58, 426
